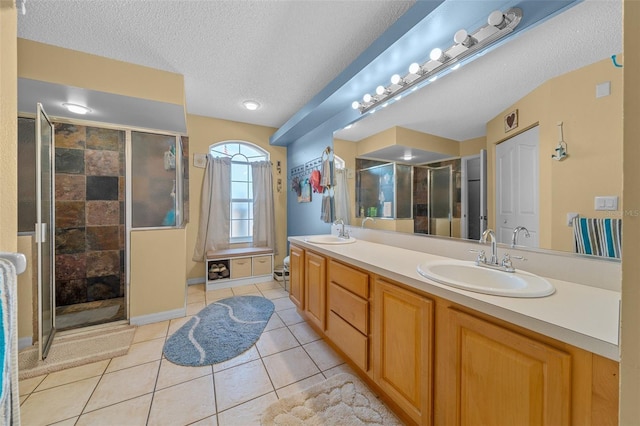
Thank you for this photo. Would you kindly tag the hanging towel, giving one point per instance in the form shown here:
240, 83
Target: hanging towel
314, 179
599, 237
327, 172
342, 201
326, 214
9, 394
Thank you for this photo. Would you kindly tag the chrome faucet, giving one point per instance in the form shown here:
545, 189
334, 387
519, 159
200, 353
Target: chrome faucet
514, 237
367, 219
341, 233
494, 247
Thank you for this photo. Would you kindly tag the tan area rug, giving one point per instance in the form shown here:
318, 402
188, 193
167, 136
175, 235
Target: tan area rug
340, 400
72, 350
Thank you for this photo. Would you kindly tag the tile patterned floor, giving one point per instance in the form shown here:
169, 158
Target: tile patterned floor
143, 388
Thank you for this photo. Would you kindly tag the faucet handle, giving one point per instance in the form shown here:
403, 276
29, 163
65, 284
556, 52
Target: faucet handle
481, 256
507, 264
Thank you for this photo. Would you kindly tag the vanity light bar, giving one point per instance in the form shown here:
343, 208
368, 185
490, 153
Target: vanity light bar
498, 26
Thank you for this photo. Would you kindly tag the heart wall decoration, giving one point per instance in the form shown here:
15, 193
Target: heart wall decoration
511, 121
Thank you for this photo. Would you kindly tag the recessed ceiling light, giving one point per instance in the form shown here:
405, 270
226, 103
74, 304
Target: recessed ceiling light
251, 105
76, 109
407, 157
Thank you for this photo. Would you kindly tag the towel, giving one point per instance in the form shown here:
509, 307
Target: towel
327, 173
326, 213
599, 237
9, 394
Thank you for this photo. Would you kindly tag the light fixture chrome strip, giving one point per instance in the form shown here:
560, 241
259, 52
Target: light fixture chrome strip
499, 25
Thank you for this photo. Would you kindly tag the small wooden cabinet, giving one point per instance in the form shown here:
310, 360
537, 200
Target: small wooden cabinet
246, 265
403, 348
315, 269
296, 276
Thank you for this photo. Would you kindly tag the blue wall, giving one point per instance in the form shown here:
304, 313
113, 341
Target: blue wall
304, 218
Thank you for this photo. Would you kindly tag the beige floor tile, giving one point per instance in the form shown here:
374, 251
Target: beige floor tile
195, 288
173, 374
74, 374
275, 341
156, 330
290, 316
56, 404
69, 422
240, 384
209, 421
131, 413
175, 324
246, 356
304, 333
196, 297
275, 293
342, 368
184, 403
139, 353
270, 285
289, 367
27, 386
194, 308
274, 322
283, 303
123, 385
247, 414
298, 386
218, 294
324, 357
245, 289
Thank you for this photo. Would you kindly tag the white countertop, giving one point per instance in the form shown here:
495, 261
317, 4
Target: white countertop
583, 316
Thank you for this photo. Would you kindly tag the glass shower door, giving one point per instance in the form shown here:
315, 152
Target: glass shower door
440, 200
44, 231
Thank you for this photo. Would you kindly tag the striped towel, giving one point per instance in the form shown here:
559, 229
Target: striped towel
599, 237
9, 395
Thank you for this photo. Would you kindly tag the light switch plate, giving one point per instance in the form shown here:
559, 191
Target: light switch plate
200, 160
606, 203
603, 89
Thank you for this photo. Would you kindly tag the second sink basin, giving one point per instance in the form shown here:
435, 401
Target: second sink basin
469, 276
329, 239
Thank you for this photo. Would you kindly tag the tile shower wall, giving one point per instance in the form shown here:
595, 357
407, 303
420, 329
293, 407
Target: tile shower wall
90, 226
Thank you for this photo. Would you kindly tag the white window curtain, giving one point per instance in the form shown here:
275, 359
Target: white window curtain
264, 229
215, 211
342, 202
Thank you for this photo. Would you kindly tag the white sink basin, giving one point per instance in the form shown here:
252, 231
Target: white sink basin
469, 276
329, 239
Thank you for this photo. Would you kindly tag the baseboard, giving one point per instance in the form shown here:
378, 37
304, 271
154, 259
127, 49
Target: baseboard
194, 281
158, 316
24, 342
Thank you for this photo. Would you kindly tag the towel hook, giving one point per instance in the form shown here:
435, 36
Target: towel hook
561, 149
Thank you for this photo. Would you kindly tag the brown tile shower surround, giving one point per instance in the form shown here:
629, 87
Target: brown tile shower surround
90, 185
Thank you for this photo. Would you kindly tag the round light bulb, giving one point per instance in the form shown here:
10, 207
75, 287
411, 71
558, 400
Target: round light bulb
435, 54
414, 68
366, 97
395, 79
496, 19
355, 105
460, 36
380, 90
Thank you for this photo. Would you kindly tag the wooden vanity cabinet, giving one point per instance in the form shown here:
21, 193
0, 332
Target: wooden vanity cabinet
403, 348
315, 269
296, 276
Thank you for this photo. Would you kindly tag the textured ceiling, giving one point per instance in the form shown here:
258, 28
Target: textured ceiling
279, 53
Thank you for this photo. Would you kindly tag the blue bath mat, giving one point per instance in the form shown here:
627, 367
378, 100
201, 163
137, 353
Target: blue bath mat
219, 332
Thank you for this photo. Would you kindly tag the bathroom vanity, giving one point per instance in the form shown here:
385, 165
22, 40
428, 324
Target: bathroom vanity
441, 355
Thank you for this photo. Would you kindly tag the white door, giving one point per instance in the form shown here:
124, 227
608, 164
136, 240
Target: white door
517, 187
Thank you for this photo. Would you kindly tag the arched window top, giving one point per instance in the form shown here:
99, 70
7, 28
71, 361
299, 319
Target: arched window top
247, 150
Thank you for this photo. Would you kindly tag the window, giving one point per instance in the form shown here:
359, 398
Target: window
242, 154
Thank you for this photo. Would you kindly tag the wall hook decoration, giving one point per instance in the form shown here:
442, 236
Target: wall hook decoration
561, 149
615, 61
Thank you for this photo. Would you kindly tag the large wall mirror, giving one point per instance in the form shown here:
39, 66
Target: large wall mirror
558, 82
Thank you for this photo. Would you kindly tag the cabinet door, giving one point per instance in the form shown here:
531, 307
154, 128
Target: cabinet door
316, 274
403, 348
498, 377
296, 276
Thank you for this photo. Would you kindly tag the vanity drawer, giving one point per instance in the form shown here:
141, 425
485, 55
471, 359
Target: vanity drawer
353, 280
241, 267
353, 309
262, 265
349, 340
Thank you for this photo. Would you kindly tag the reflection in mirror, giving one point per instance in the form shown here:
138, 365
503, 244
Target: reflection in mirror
577, 85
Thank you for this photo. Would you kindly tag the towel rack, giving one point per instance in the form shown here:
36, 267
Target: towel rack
18, 259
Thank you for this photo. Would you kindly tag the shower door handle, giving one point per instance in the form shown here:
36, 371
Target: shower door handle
41, 233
